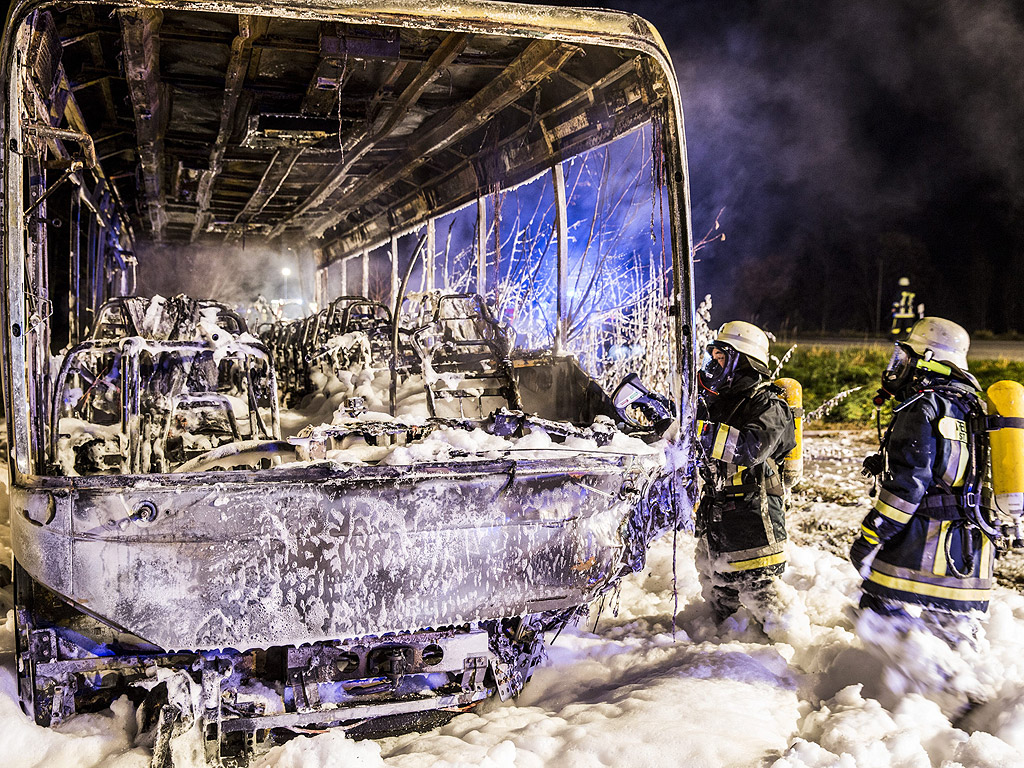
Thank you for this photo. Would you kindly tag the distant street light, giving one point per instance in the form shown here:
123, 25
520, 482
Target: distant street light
285, 273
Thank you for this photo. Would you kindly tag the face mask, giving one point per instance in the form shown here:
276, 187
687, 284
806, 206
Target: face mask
904, 364
899, 370
716, 374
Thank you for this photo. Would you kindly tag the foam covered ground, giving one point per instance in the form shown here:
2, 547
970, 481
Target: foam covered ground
628, 689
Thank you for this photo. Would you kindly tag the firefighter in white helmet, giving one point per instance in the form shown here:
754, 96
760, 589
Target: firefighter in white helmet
923, 550
745, 430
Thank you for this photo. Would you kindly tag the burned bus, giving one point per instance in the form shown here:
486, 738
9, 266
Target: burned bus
347, 351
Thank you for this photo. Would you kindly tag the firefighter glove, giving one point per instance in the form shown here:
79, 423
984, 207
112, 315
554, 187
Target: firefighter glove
873, 465
862, 554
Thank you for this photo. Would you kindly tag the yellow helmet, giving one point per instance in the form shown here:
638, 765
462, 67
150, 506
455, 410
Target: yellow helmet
747, 339
947, 341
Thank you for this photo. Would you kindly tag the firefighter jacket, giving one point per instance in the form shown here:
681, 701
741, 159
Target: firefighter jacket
746, 433
930, 552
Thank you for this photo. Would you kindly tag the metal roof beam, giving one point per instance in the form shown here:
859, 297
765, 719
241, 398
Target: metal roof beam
277, 171
545, 128
537, 62
140, 29
445, 54
249, 29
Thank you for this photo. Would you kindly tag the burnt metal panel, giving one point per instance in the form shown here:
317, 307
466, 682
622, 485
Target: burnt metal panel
243, 560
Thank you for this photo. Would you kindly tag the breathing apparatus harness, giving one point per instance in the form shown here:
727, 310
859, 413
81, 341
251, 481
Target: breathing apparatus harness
715, 379
974, 520
709, 467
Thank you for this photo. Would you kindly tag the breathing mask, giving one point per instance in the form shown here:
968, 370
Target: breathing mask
718, 367
904, 365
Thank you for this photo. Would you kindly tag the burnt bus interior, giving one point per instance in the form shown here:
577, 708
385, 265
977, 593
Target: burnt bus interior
247, 241
145, 132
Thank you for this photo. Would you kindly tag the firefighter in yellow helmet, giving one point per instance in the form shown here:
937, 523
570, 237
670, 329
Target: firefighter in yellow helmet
923, 550
904, 311
745, 430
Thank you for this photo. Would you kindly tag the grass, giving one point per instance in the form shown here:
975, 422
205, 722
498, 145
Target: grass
824, 372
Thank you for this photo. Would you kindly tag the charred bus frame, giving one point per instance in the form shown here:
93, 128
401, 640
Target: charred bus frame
257, 583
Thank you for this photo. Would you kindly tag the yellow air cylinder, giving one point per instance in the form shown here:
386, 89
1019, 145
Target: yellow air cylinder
793, 466
1006, 399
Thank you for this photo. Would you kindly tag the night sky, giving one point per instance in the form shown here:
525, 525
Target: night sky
851, 142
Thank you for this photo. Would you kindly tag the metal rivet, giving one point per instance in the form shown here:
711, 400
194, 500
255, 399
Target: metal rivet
144, 513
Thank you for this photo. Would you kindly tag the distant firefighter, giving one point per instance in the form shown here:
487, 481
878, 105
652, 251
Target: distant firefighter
904, 312
923, 551
745, 430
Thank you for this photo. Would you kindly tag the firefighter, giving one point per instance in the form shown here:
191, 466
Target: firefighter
745, 432
904, 313
925, 560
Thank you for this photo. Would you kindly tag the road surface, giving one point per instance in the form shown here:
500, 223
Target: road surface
981, 349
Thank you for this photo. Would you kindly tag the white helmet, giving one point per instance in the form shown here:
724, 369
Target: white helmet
747, 339
947, 341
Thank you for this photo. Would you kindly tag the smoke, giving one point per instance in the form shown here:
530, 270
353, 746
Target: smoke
850, 142
232, 274
826, 128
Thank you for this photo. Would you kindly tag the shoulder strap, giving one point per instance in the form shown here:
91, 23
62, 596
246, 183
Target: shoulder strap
998, 422
742, 398
977, 457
